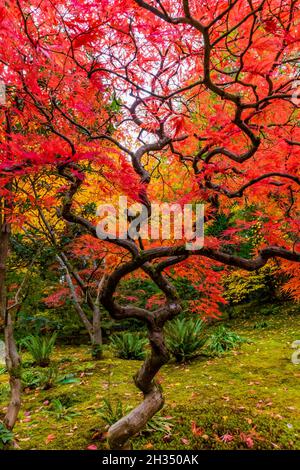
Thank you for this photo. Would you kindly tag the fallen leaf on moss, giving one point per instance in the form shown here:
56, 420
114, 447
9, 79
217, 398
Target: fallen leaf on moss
50, 438
196, 430
148, 446
184, 441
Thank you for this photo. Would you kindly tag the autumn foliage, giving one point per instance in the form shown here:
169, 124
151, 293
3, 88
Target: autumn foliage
161, 101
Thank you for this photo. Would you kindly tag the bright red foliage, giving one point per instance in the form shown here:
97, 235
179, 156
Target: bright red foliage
199, 96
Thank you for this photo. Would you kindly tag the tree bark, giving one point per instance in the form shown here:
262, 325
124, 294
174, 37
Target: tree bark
94, 329
96, 336
122, 431
12, 358
13, 364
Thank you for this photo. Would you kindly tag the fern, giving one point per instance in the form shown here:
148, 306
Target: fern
223, 340
129, 346
185, 337
40, 348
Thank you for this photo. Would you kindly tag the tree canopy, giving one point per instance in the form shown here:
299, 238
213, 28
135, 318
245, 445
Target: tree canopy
161, 101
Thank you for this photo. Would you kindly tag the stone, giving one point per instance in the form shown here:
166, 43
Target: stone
296, 355
2, 353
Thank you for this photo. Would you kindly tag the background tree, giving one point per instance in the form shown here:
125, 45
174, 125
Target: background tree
84, 283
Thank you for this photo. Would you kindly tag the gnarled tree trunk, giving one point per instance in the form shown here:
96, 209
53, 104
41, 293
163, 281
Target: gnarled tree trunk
119, 434
122, 431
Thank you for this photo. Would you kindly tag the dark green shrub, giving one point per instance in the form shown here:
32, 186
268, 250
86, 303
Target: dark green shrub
109, 413
185, 337
49, 378
129, 346
97, 351
223, 340
40, 347
61, 411
260, 325
46, 378
31, 379
6, 436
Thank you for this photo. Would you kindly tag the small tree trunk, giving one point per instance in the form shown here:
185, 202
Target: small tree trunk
12, 358
123, 430
13, 364
93, 329
96, 336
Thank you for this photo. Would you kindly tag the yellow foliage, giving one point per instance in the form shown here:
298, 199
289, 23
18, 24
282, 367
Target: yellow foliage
239, 286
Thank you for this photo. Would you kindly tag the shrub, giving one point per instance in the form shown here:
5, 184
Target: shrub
263, 286
49, 378
185, 337
65, 360
31, 379
97, 351
129, 346
111, 414
46, 378
40, 347
6, 436
260, 325
61, 411
223, 340
158, 423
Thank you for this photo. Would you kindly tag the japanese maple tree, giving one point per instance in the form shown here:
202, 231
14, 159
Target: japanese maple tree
166, 100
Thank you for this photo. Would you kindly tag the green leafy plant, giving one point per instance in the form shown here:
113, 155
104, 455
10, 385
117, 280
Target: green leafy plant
6, 436
65, 360
109, 413
67, 379
261, 325
185, 337
129, 346
41, 348
3, 370
61, 411
49, 378
31, 379
223, 340
46, 379
159, 424
97, 351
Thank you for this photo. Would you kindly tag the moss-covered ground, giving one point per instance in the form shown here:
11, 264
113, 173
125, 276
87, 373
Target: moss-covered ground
247, 398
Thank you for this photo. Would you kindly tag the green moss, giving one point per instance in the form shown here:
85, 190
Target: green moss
251, 393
